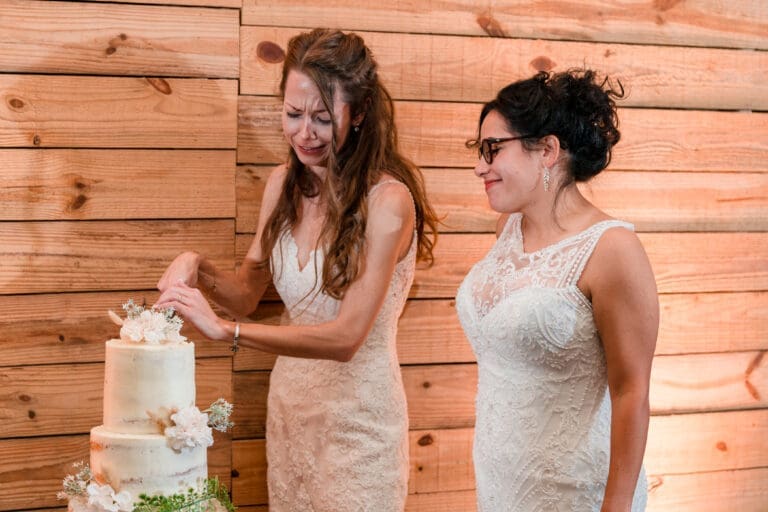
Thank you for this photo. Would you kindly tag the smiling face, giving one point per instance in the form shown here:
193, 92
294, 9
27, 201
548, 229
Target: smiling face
307, 124
512, 181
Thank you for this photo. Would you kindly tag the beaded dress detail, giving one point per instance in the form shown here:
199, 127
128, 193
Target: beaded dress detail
542, 433
337, 432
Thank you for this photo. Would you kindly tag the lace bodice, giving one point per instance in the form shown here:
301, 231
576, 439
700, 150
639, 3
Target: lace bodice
337, 432
542, 432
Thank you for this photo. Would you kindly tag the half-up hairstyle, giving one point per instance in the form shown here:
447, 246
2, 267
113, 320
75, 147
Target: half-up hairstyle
335, 60
574, 106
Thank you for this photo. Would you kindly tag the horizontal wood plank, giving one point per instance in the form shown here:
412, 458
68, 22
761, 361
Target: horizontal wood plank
203, 3
682, 262
454, 501
443, 396
32, 468
109, 39
429, 331
436, 67
678, 23
433, 134
716, 491
72, 184
42, 257
652, 201
249, 472
681, 448
72, 327
107, 112
67, 398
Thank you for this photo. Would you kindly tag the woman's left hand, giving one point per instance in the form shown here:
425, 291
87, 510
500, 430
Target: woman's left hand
193, 307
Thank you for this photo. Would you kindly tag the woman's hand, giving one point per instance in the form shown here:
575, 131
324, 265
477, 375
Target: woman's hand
193, 307
182, 269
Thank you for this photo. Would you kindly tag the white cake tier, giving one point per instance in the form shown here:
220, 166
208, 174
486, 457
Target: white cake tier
144, 384
145, 464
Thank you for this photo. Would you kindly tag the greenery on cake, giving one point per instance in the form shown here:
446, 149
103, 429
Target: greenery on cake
193, 501
100, 497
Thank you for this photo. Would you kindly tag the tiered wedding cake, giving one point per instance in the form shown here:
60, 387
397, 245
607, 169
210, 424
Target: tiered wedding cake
154, 440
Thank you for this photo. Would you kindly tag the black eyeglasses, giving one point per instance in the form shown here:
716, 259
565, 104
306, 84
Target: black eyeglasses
485, 149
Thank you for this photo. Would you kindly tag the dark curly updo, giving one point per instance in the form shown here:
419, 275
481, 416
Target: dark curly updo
574, 106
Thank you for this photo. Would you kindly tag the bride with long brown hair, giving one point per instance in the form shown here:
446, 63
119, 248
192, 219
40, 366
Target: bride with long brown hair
341, 226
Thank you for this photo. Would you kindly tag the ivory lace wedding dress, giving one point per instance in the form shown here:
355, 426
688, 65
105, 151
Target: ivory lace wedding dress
542, 434
337, 433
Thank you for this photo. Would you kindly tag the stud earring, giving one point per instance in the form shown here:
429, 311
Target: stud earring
546, 179
357, 128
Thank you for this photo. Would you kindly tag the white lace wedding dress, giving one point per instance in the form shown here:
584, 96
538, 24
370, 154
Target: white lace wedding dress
337, 433
542, 434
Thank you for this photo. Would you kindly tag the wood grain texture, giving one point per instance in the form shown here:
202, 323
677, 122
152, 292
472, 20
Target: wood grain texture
73, 327
113, 112
202, 3
682, 262
32, 468
435, 67
433, 134
429, 330
43, 257
82, 184
109, 39
698, 23
443, 396
716, 491
67, 398
652, 201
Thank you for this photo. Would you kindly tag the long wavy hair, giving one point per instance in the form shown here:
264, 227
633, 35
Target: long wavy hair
333, 59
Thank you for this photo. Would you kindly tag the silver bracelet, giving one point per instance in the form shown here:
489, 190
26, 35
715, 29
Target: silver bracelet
236, 338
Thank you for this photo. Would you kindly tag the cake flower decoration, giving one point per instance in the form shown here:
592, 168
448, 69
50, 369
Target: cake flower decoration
190, 429
148, 325
92, 496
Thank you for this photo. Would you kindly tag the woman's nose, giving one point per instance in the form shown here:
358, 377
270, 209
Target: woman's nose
481, 169
306, 129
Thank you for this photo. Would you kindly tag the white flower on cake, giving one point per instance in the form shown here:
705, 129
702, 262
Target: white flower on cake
102, 498
190, 429
148, 325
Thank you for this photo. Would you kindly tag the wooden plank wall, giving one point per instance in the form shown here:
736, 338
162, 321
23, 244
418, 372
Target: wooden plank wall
131, 130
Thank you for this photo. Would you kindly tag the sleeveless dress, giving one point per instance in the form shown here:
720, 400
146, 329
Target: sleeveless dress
337, 432
542, 433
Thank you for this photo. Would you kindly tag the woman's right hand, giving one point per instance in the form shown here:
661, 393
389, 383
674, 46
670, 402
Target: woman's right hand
182, 269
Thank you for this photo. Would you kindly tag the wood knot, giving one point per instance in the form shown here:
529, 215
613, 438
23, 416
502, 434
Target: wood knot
25, 398
235, 473
77, 202
61, 337
110, 50
543, 64
123, 37
270, 52
419, 468
16, 104
722, 446
36, 140
31, 414
426, 385
609, 53
426, 440
160, 84
490, 26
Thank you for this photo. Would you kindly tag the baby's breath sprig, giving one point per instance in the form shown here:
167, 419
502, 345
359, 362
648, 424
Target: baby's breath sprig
218, 415
132, 310
75, 485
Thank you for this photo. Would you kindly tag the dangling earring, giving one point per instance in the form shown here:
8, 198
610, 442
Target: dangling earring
546, 179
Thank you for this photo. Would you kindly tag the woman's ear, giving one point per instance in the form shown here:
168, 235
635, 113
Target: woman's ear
358, 119
551, 150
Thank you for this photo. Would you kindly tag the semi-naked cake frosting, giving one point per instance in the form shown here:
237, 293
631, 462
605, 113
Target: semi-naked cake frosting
153, 439
143, 385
